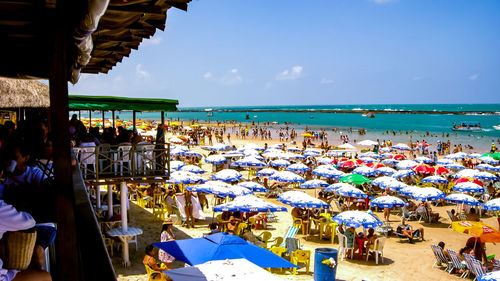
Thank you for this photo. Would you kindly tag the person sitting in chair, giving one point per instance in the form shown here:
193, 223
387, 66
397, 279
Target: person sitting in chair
408, 231
150, 261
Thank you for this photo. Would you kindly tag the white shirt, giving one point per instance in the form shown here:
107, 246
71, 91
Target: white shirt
12, 220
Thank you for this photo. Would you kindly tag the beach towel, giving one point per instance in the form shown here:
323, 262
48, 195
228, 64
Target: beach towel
197, 211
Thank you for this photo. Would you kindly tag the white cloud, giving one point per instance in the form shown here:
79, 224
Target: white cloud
234, 70
326, 81
416, 78
152, 41
474, 76
232, 78
290, 74
382, 1
140, 73
207, 75
268, 85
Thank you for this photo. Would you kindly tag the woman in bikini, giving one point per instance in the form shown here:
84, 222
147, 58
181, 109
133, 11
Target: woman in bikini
150, 261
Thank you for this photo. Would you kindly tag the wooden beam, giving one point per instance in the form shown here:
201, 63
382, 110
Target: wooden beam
181, 6
133, 118
113, 114
139, 9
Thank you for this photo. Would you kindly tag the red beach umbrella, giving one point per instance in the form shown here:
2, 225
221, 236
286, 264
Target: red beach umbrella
424, 169
375, 165
476, 181
423, 144
349, 164
398, 157
440, 170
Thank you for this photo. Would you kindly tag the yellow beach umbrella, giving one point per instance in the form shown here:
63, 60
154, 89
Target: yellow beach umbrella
477, 229
307, 135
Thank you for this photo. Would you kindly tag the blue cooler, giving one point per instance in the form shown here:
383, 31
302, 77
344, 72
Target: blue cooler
323, 271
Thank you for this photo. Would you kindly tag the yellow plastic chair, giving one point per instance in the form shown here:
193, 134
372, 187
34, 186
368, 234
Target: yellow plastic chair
252, 222
239, 229
277, 242
297, 222
265, 236
301, 256
278, 251
222, 226
158, 275
108, 242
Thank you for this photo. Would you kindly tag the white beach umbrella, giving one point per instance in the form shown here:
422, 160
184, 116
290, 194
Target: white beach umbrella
468, 187
314, 184
299, 167
403, 174
367, 143
179, 177
216, 159
324, 160
266, 172
335, 186
424, 159
427, 194
488, 167
434, 179
249, 203
302, 200
357, 219
409, 190
445, 161
460, 198
350, 191
467, 173
280, 163
193, 169
492, 205
328, 172
227, 175
254, 186
406, 164
388, 202
346, 146
489, 160
176, 165
287, 176
401, 146
364, 170
486, 176
385, 171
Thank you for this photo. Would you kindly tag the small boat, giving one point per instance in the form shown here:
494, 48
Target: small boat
247, 117
467, 126
311, 117
497, 127
371, 115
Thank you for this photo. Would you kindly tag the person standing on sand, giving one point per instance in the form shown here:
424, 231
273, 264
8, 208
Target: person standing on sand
188, 207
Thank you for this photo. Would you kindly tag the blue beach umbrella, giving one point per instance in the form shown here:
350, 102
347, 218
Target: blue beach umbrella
176, 165
455, 156
489, 160
314, 184
324, 160
220, 189
286, 176
492, 205
468, 187
370, 154
394, 185
249, 162
424, 159
434, 179
336, 186
221, 246
300, 199
475, 155
459, 198
403, 174
390, 161
357, 219
299, 167
249, 203
181, 177
382, 180
401, 146
266, 172
408, 191
490, 276
368, 159
486, 176
192, 153
193, 169
455, 166
467, 173
350, 191
253, 186
365, 171
227, 175
293, 149
216, 159
328, 173
252, 146
386, 149
406, 164
387, 202
217, 147
427, 194
387, 171
488, 167
444, 162
280, 163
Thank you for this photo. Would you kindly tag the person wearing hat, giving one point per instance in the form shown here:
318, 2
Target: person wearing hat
493, 148
167, 234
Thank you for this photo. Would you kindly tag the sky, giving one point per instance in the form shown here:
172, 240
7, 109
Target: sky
287, 52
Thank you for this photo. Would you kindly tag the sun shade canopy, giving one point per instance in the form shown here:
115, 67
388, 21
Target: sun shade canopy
120, 103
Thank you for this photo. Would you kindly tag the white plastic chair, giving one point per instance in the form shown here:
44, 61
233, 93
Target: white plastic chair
87, 157
122, 157
145, 157
378, 248
343, 246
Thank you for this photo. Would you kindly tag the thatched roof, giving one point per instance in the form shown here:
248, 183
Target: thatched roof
23, 93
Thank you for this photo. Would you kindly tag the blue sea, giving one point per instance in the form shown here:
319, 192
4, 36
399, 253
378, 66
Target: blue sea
418, 124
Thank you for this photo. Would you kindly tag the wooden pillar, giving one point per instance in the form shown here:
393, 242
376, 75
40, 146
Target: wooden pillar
90, 118
133, 118
113, 113
67, 247
163, 117
103, 120
79, 115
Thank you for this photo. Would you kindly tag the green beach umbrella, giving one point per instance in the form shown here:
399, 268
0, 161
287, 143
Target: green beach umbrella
495, 156
355, 179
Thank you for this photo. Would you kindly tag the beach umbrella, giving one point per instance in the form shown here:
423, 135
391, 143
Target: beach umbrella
489, 160
221, 246
266, 172
257, 187
217, 147
308, 135
370, 154
349, 164
289, 155
401, 146
299, 167
177, 152
350, 191
357, 219
227, 175
193, 169
387, 202
176, 140
398, 157
293, 149
490, 276
475, 155
468, 187
434, 179
335, 153
346, 146
455, 166
249, 203
287, 176
476, 181
440, 170
324, 160
300, 199
233, 154
424, 159
221, 190
403, 174
486, 176
390, 161
277, 146
252, 146
280, 163
458, 155
495, 156
424, 169
467, 173
368, 159
492, 205
314, 184
382, 180
375, 165
335, 186
216, 159
367, 143
488, 167
355, 179
460, 198
484, 232
427, 194
386, 149
176, 165
394, 185
409, 190
445, 161
328, 173
406, 164
181, 177
309, 154
250, 152
385, 171
192, 153
249, 162
365, 171
312, 151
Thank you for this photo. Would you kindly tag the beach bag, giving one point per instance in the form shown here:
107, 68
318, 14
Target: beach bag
16, 249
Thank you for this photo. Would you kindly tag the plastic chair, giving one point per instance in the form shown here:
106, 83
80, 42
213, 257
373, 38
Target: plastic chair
265, 236
377, 248
277, 241
455, 262
278, 250
290, 233
301, 256
87, 157
343, 246
440, 257
122, 157
299, 224
158, 275
240, 228
108, 242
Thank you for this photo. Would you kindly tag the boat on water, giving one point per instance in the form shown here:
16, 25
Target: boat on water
369, 115
497, 127
210, 112
467, 126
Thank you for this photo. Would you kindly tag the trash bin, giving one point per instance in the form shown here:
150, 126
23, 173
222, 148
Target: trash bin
323, 271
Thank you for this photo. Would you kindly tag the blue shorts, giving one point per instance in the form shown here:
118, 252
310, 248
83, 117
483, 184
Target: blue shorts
45, 235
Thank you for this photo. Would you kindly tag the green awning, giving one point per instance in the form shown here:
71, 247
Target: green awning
77, 102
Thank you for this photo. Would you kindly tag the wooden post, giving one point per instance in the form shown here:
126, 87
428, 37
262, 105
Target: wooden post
103, 120
113, 113
66, 239
163, 117
90, 119
79, 115
133, 118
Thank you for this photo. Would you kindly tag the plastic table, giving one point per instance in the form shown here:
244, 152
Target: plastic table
125, 237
